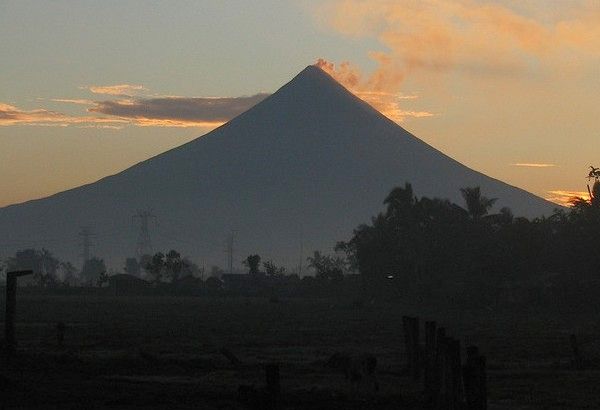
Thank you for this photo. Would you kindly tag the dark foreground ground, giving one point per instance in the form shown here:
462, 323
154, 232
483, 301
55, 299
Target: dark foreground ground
143, 352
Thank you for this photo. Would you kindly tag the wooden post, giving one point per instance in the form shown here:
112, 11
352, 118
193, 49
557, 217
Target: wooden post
444, 374
272, 378
11, 308
60, 334
470, 377
407, 343
456, 369
430, 357
438, 387
482, 383
416, 348
450, 375
475, 379
411, 344
577, 360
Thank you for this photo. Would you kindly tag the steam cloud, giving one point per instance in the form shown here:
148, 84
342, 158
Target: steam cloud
439, 36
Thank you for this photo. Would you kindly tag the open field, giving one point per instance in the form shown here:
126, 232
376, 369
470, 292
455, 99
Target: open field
163, 352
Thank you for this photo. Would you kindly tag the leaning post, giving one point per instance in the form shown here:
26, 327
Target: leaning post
11, 307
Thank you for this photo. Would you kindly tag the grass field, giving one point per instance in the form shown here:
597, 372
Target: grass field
163, 352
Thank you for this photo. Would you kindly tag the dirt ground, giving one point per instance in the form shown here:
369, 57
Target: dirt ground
164, 352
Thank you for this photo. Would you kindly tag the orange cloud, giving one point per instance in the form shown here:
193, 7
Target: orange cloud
118, 89
11, 115
178, 111
533, 165
72, 101
203, 112
439, 36
375, 89
565, 198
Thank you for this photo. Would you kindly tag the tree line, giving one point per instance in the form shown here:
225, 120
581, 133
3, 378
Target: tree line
421, 246
428, 245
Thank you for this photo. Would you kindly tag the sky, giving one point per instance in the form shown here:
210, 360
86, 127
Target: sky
87, 89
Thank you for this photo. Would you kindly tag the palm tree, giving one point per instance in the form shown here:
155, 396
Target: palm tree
399, 200
477, 205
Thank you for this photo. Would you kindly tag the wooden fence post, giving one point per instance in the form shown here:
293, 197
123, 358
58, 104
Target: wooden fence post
438, 387
272, 379
457, 379
450, 375
60, 333
411, 339
430, 358
11, 308
577, 359
408, 343
416, 348
475, 379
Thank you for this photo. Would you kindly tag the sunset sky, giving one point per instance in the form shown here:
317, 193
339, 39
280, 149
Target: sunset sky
88, 88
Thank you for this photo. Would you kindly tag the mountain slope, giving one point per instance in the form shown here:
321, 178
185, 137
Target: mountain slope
305, 166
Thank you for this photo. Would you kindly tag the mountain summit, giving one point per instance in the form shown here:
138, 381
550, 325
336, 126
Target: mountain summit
297, 171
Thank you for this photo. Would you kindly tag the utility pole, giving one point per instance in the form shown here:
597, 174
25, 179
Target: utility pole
86, 234
11, 307
144, 243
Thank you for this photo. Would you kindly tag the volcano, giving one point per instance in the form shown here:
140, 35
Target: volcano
295, 173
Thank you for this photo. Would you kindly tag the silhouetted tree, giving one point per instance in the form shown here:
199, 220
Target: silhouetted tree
477, 205
429, 244
252, 262
155, 267
173, 265
43, 264
327, 267
273, 270
189, 268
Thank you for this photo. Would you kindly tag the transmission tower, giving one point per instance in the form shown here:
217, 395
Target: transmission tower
301, 255
229, 249
144, 243
87, 235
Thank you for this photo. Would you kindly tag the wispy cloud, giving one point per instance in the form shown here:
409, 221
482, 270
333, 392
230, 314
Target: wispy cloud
435, 37
204, 112
72, 101
178, 111
117, 90
533, 165
565, 198
11, 115
386, 102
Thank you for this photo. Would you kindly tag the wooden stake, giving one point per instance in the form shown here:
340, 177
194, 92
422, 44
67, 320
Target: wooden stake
577, 359
416, 348
272, 378
430, 357
11, 308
